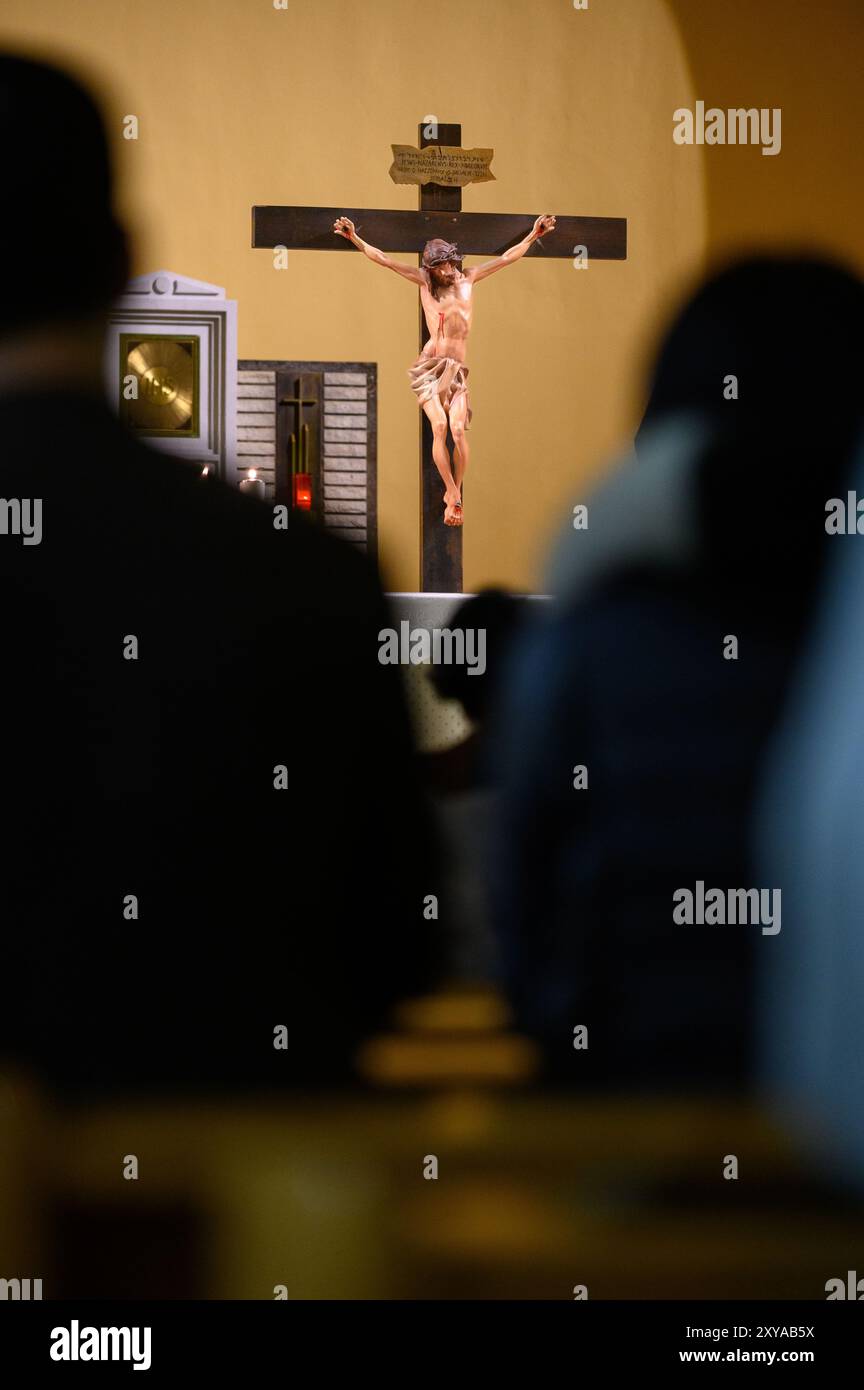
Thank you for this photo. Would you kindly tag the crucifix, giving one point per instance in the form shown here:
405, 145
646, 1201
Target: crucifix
439, 215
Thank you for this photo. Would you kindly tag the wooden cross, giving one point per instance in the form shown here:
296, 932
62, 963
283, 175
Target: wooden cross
299, 448
476, 233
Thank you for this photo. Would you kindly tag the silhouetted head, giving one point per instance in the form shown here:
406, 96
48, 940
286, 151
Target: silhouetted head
64, 250
498, 615
770, 344
770, 352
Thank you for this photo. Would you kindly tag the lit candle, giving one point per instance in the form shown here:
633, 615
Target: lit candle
302, 491
252, 485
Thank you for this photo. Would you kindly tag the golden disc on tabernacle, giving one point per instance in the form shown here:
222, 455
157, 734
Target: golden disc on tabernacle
165, 372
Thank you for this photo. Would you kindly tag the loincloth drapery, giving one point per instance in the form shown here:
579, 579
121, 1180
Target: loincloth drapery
441, 376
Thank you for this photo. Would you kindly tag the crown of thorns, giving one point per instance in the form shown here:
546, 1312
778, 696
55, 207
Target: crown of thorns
436, 252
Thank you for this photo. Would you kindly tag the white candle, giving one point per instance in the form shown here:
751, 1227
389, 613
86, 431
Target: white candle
252, 485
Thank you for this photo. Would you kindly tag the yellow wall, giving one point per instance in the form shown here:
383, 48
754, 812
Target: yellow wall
807, 57
240, 103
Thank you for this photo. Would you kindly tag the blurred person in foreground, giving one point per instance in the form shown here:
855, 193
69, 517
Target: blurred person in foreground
461, 781
810, 815
714, 530
166, 914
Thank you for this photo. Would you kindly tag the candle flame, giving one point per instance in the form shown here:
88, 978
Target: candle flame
253, 474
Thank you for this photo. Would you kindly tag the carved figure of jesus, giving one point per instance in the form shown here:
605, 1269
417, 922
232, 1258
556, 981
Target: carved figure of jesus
439, 377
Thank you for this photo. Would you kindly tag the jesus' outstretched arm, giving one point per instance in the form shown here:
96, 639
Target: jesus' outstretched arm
343, 226
541, 227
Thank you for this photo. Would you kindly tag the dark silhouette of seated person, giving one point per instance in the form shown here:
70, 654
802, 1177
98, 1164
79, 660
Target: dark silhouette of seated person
169, 906
629, 679
464, 765
461, 781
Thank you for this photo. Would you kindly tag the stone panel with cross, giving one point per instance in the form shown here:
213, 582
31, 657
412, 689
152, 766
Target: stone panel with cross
336, 402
